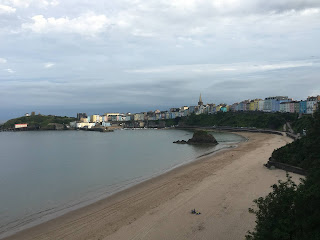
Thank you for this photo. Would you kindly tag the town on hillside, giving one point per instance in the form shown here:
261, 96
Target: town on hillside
282, 104
269, 104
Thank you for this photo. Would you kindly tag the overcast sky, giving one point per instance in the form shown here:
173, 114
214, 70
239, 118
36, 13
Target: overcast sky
97, 56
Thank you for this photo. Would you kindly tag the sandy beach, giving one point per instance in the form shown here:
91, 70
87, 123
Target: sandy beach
221, 186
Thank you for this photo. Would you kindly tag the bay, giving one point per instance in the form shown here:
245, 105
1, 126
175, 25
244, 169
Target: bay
44, 174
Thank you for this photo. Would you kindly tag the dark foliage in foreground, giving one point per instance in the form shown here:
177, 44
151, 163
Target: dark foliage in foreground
292, 212
289, 212
305, 152
305, 122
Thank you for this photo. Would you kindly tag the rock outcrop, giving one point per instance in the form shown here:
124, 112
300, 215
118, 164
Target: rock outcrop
200, 137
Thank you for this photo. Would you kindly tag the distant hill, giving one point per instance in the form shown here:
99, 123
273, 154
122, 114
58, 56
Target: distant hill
38, 121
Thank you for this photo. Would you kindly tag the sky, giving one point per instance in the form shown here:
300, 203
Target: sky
96, 56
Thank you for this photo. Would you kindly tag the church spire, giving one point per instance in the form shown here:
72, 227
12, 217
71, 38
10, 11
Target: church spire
200, 103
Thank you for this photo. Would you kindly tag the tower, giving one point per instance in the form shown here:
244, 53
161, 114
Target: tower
200, 103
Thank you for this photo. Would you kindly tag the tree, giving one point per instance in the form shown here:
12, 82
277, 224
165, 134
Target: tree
290, 211
275, 213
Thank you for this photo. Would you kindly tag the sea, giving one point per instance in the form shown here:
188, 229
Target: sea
45, 174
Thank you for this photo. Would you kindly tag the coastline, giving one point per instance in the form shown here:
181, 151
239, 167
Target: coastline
110, 218
103, 193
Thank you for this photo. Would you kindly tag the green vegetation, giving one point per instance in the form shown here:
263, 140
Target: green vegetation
200, 133
305, 152
38, 121
290, 211
261, 120
172, 122
305, 122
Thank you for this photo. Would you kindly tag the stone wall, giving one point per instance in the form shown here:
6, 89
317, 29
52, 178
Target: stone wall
285, 167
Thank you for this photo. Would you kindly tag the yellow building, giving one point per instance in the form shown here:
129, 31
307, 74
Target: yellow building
85, 120
95, 118
254, 105
251, 105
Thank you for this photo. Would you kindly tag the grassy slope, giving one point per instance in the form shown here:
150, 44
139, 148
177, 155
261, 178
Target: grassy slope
38, 120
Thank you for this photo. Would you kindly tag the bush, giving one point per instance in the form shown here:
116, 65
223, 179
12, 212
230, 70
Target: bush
275, 213
292, 212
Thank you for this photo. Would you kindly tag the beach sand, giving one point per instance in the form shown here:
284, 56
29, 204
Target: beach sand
221, 186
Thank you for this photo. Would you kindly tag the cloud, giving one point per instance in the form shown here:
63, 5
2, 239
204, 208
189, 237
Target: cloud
87, 24
227, 49
49, 65
9, 70
6, 9
310, 11
3, 60
19, 3
244, 7
216, 68
183, 20
35, 3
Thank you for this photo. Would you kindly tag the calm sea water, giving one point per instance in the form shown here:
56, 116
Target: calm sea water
45, 174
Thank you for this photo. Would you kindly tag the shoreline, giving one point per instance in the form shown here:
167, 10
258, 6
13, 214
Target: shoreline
105, 217
117, 188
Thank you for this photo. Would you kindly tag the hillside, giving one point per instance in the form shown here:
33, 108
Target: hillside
305, 122
38, 121
263, 120
292, 211
305, 152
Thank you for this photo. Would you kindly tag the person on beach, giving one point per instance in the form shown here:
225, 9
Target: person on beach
193, 211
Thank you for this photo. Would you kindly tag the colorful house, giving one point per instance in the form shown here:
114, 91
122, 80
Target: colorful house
311, 102
260, 105
303, 107
272, 104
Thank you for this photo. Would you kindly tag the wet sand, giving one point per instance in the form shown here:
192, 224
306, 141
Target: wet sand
221, 186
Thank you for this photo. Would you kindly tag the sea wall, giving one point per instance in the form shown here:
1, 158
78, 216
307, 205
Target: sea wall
293, 136
234, 129
286, 167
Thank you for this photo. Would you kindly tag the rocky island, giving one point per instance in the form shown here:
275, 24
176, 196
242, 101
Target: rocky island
199, 137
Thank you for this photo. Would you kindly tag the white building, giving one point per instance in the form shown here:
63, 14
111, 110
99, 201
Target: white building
311, 102
82, 124
260, 105
21, 125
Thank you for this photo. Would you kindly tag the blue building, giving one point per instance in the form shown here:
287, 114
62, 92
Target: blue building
241, 106
272, 104
303, 107
223, 109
